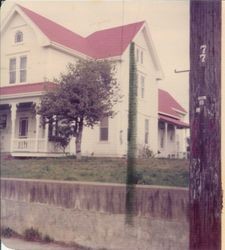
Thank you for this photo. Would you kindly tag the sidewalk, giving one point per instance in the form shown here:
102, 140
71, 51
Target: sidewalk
18, 244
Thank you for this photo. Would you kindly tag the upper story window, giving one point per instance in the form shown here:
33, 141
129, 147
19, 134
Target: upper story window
142, 57
104, 129
19, 37
137, 55
23, 68
142, 87
18, 74
12, 70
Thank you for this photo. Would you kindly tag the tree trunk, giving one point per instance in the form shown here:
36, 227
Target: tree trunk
205, 112
78, 142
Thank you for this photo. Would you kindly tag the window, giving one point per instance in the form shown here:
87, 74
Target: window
142, 57
23, 127
12, 70
162, 139
23, 68
137, 55
3, 121
104, 129
146, 130
13, 76
172, 135
142, 86
19, 37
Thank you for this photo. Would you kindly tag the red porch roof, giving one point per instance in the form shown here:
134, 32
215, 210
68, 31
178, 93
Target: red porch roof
168, 104
173, 121
26, 88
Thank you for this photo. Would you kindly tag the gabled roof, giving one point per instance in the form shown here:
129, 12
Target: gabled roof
168, 105
58, 33
101, 44
114, 41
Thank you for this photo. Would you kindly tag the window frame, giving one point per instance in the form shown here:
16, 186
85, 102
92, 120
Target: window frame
137, 55
104, 127
142, 57
23, 69
142, 86
3, 121
12, 70
162, 139
18, 37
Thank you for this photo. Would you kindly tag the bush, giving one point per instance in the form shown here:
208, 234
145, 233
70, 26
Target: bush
47, 239
32, 234
7, 232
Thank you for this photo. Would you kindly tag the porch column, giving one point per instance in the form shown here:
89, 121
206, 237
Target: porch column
166, 138
46, 137
37, 131
13, 124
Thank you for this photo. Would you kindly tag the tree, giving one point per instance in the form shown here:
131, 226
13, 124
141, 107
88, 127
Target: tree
85, 94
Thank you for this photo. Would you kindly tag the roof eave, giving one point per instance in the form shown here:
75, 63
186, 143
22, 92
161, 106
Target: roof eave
167, 114
153, 52
69, 50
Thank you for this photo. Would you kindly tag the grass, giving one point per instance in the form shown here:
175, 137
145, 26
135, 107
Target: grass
167, 172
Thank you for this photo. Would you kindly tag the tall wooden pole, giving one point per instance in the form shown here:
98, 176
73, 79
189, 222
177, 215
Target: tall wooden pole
132, 138
205, 112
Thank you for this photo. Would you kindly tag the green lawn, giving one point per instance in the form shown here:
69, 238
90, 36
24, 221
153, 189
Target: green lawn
166, 172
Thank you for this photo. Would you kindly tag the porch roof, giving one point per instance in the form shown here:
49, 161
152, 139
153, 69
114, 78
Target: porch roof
26, 88
169, 105
173, 121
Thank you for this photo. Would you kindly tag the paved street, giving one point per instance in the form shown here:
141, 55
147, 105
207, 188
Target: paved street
18, 244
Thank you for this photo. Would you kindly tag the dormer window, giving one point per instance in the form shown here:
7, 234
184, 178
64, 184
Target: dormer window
19, 37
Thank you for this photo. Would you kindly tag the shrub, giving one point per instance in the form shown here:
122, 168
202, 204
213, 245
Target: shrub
47, 239
32, 234
7, 232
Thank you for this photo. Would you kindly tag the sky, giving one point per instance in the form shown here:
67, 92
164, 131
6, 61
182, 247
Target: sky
168, 21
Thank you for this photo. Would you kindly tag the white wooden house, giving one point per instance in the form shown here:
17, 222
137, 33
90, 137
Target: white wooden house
35, 50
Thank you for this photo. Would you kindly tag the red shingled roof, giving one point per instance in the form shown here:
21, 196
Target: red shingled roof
101, 44
114, 41
26, 88
167, 104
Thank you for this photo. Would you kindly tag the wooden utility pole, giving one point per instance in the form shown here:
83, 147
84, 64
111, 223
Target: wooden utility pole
132, 138
205, 112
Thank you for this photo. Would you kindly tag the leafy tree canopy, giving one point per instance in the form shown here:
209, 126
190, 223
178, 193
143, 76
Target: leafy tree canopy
84, 95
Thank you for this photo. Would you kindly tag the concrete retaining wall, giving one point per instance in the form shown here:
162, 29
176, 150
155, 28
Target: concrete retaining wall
93, 214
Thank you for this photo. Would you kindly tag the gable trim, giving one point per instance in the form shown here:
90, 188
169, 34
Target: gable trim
41, 37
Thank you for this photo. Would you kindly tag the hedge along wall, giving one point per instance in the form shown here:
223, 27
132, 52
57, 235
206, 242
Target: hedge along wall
93, 214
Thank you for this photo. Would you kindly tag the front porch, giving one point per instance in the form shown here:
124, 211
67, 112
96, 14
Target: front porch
22, 133
172, 137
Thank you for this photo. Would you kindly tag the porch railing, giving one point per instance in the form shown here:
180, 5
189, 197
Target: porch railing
28, 145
